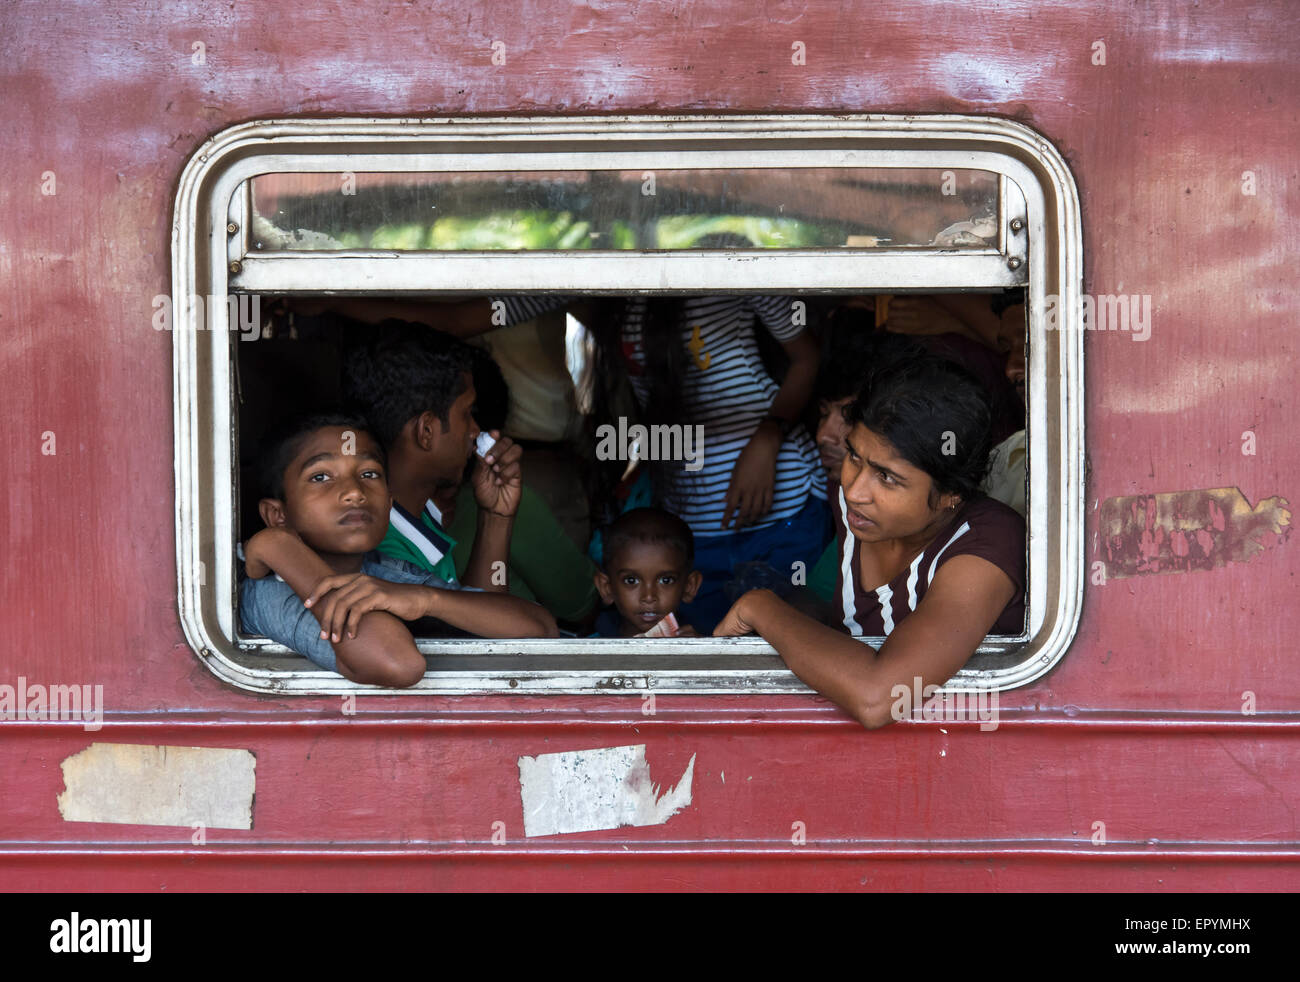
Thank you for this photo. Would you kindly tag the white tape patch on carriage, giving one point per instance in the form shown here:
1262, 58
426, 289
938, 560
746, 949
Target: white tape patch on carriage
128, 784
586, 790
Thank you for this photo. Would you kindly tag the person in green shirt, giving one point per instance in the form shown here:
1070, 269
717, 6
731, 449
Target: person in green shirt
415, 386
545, 564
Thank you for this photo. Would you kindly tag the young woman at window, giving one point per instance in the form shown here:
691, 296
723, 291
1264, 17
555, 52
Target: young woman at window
926, 560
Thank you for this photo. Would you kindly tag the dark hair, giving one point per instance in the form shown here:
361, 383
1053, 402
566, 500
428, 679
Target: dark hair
491, 393
923, 405
647, 525
665, 367
848, 350
401, 370
285, 440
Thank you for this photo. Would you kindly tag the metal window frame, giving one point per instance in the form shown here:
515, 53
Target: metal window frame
1043, 253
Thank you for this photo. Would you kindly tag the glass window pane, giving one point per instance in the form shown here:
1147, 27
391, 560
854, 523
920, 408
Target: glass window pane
765, 208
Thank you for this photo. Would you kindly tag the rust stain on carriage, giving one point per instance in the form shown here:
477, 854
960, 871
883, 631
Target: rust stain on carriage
1183, 531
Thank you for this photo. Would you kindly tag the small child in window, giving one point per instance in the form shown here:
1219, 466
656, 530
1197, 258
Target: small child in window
333, 598
647, 573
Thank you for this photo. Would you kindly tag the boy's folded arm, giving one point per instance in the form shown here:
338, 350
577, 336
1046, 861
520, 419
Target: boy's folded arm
340, 601
382, 653
381, 639
277, 550
492, 615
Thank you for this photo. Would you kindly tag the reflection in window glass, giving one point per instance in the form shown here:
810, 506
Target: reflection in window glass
766, 208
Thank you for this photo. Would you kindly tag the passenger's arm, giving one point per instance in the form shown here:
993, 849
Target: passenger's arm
463, 318
922, 315
492, 615
800, 377
341, 601
934, 641
381, 652
975, 310
753, 479
498, 487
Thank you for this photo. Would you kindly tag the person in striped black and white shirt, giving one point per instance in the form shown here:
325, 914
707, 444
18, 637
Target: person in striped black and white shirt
926, 559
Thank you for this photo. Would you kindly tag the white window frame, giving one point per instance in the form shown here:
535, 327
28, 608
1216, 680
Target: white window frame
1039, 247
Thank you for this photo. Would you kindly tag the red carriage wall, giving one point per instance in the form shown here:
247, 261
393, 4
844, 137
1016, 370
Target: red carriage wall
1140, 728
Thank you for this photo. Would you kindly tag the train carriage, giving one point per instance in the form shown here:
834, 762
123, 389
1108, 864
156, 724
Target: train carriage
1130, 169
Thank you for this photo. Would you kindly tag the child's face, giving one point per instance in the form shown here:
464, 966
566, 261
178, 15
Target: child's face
646, 582
335, 493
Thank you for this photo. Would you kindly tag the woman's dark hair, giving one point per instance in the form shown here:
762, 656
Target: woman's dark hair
934, 413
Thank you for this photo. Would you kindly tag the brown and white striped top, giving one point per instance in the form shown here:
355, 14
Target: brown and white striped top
980, 527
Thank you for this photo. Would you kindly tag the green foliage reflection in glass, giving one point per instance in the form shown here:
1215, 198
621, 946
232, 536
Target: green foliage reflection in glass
529, 230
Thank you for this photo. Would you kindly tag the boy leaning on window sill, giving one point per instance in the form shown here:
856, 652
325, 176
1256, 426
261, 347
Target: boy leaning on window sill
333, 598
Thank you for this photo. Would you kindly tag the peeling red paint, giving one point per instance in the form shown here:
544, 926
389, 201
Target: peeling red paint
1181, 531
